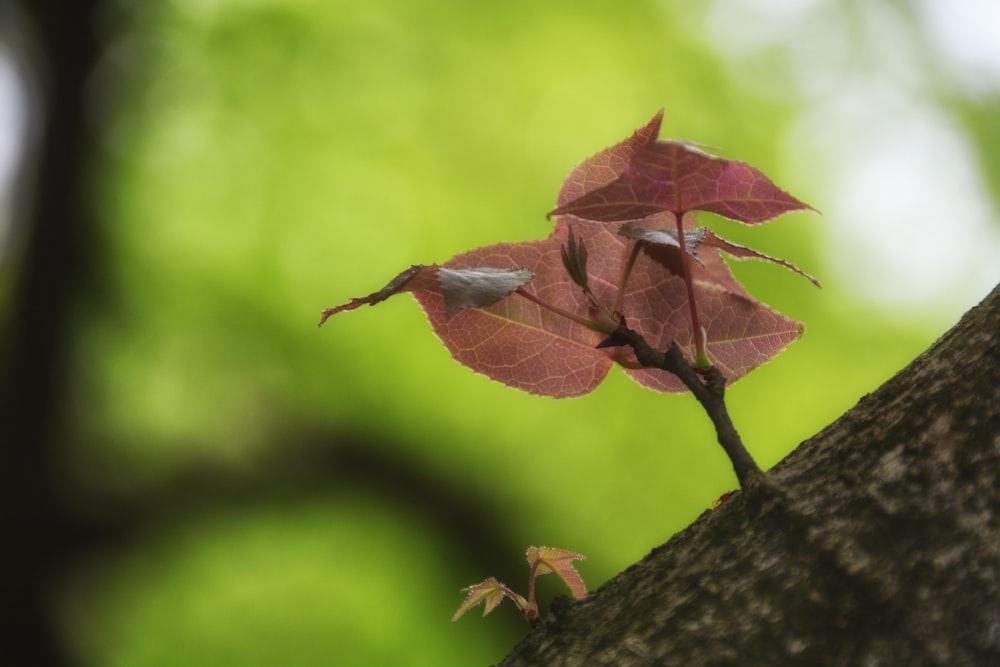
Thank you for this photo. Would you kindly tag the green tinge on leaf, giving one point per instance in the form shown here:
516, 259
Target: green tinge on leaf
490, 591
574, 257
544, 560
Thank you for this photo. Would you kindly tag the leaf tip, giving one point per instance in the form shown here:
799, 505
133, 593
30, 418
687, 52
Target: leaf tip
489, 591
397, 284
655, 122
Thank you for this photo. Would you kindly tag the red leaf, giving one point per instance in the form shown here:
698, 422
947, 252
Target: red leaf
517, 342
674, 177
741, 333
608, 165
742, 252
667, 237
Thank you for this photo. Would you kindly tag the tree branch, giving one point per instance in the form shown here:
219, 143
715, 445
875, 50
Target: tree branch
708, 386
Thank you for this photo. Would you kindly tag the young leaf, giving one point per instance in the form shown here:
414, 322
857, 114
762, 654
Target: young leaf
676, 177
607, 166
741, 332
490, 592
544, 560
516, 341
668, 237
742, 252
478, 287
395, 285
694, 238
472, 287
574, 258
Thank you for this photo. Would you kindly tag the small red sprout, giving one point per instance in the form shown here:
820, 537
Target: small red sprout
542, 560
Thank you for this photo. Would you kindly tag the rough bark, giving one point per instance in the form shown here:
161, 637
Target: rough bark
877, 542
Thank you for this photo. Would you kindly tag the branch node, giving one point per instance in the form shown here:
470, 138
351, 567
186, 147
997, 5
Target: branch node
708, 386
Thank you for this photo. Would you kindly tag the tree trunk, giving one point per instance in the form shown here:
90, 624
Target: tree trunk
877, 543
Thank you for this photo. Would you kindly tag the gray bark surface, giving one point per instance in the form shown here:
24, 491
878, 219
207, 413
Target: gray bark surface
878, 543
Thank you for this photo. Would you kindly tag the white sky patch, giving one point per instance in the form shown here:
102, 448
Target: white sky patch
908, 223
13, 125
967, 33
907, 217
768, 21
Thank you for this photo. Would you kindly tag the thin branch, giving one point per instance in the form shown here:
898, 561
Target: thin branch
701, 360
709, 387
626, 272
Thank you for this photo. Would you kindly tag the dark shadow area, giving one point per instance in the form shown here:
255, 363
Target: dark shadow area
52, 524
51, 274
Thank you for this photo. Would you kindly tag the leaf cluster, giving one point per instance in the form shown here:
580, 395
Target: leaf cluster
626, 247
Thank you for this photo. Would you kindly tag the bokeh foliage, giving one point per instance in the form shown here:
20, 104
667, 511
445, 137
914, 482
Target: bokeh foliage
267, 159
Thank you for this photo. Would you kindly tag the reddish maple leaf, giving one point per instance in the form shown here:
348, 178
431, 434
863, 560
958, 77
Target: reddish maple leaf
587, 276
516, 341
666, 182
676, 177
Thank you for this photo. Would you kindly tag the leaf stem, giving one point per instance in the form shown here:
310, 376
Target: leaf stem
531, 585
626, 272
701, 358
559, 311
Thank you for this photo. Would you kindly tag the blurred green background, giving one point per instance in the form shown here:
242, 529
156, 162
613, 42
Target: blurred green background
318, 497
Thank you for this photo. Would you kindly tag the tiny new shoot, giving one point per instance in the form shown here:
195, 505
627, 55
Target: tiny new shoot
541, 560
